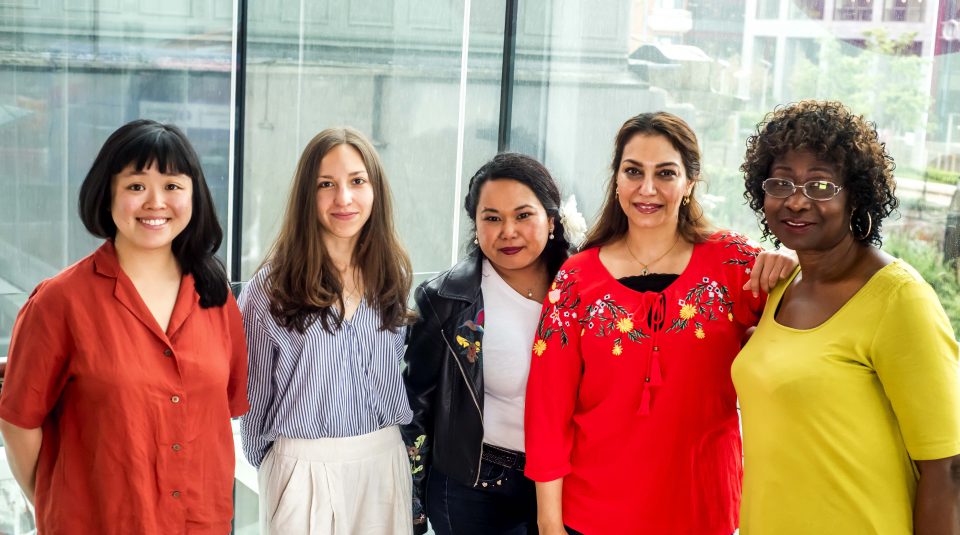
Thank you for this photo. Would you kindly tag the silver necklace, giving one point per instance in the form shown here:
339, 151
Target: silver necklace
348, 298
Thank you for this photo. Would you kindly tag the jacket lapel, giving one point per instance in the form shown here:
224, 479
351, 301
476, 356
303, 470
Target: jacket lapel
464, 331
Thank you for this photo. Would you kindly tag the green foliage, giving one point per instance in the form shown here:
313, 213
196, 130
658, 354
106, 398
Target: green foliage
908, 172
882, 81
723, 201
930, 174
938, 175
927, 259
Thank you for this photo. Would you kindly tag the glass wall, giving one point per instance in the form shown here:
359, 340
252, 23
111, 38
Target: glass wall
394, 70
423, 80
420, 78
71, 72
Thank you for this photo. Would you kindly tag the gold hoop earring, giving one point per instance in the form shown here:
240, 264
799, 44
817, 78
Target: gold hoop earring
686, 200
869, 226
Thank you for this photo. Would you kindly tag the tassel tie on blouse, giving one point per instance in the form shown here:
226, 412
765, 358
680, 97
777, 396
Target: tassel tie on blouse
653, 378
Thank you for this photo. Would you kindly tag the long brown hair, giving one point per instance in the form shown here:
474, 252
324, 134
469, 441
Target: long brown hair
693, 225
303, 283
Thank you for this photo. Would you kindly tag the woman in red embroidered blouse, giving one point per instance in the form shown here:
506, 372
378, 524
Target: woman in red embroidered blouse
631, 413
124, 369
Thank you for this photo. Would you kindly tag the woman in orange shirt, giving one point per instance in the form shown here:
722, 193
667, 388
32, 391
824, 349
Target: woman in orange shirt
124, 369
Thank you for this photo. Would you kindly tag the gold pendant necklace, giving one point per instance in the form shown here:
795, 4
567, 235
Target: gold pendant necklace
644, 266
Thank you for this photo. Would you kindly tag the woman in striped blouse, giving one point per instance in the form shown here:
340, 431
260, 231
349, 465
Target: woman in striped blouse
325, 319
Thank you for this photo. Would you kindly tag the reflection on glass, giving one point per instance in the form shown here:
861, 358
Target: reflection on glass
806, 9
393, 71
904, 10
860, 10
16, 515
579, 77
69, 77
768, 9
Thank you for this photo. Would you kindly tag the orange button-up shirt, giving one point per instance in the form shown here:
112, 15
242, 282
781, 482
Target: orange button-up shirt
136, 421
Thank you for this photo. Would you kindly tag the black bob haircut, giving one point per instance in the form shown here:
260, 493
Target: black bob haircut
141, 143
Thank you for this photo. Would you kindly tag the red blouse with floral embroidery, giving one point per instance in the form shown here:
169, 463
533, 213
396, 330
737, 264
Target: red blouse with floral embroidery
630, 399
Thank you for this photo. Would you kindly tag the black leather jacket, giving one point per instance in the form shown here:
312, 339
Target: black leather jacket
444, 380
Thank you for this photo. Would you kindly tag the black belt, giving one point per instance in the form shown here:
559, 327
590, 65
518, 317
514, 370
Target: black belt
503, 457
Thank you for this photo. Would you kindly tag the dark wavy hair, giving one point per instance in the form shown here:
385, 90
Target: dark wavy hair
836, 135
693, 225
304, 285
142, 143
532, 174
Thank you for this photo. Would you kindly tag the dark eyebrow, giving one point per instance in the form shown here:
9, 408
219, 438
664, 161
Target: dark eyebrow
354, 173
661, 164
824, 169
517, 209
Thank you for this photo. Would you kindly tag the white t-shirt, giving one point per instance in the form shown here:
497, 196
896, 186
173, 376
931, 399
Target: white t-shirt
510, 325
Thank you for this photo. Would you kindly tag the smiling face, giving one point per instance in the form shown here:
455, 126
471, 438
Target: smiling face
344, 194
512, 224
800, 223
651, 182
149, 208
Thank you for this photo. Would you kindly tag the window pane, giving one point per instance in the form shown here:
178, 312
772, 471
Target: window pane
806, 9
904, 10
859, 10
69, 76
584, 69
391, 70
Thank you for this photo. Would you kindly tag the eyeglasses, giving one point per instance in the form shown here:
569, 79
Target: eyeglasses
815, 190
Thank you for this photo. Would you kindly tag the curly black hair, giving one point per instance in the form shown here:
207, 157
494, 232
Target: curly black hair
836, 135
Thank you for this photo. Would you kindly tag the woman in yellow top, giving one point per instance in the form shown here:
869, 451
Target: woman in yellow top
849, 387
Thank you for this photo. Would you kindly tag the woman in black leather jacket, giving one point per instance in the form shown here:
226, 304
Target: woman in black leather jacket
467, 366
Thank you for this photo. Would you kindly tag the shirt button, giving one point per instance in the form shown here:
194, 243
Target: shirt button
175, 494
175, 399
177, 447
167, 352
656, 348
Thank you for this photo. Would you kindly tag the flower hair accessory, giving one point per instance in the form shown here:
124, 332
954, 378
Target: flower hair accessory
574, 225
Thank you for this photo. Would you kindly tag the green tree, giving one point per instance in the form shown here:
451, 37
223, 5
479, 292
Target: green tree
884, 80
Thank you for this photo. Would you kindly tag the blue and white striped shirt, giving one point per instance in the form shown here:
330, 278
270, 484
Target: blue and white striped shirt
318, 384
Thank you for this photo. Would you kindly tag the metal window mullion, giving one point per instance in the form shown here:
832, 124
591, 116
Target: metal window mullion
235, 244
506, 78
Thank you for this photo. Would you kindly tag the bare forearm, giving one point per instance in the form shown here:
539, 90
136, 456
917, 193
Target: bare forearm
23, 449
937, 510
550, 507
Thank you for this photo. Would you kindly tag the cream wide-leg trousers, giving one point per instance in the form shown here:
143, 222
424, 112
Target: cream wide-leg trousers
337, 486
